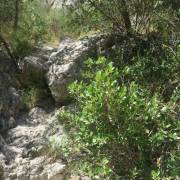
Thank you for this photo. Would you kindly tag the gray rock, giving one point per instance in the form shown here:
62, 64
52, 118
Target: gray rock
10, 100
20, 153
67, 62
59, 77
34, 66
57, 68
56, 171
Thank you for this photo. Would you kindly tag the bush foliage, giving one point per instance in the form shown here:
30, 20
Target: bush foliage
121, 130
125, 124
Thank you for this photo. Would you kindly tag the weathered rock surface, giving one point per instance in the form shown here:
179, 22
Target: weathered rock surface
67, 62
57, 68
10, 101
34, 67
20, 153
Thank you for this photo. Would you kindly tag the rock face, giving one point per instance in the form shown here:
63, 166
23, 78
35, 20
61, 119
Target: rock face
21, 156
34, 67
67, 62
10, 101
57, 68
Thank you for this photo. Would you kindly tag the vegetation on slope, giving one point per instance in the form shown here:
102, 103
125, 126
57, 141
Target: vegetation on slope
126, 124
123, 129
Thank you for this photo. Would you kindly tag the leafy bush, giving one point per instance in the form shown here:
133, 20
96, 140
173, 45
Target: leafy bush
120, 130
159, 74
84, 18
72, 23
7, 11
32, 29
33, 21
132, 16
59, 25
21, 44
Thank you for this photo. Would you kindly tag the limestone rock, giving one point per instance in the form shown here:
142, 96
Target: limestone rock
67, 62
21, 148
55, 171
34, 66
57, 68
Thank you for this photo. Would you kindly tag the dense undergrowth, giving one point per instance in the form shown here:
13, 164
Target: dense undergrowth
123, 127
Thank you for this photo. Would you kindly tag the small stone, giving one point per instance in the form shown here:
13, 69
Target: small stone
11, 122
55, 171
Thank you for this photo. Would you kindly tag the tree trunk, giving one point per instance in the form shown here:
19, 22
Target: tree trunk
16, 17
126, 17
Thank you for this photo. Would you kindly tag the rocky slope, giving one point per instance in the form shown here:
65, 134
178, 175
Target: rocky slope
24, 135
21, 153
59, 67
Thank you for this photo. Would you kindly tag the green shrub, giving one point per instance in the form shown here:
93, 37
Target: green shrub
59, 26
85, 18
69, 23
21, 44
120, 131
131, 16
159, 74
34, 22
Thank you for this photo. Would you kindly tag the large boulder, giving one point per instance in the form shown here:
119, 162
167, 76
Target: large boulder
67, 62
34, 67
10, 101
57, 68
